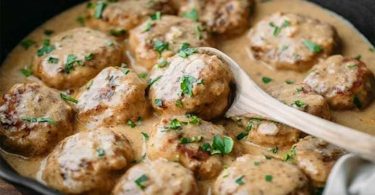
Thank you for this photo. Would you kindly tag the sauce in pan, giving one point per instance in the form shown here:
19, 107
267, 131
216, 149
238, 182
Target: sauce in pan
352, 44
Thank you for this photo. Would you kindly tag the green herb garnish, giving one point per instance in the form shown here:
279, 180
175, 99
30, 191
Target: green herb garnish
142, 75
179, 103
290, 154
185, 50
158, 102
68, 98
195, 120
100, 152
27, 43
89, 57
131, 123
187, 84
140, 181
175, 124
266, 80
163, 63
289, 82
99, 8
26, 71
160, 46
53, 60
145, 136
240, 181
156, 16
277, 29
117, 32
299, 104
220, 145
81, 20
70, 61
152, 81
39, 120
268, 178
192, 14
188, 140
313, 47
125, 70
46, 48
274, 149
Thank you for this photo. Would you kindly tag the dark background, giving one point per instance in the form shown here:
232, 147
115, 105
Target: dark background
19, 17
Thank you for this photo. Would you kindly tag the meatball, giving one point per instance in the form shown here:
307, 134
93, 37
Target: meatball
302, 97
73, 57
266, 132
345, 83
88, 162
121, 16
33, 118
113, 97
316, 158
258, 175
228, 17
157, 177
187, 139
291, 41
163, 37
200, 84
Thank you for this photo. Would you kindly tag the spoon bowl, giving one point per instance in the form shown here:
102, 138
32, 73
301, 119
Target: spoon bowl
250, 98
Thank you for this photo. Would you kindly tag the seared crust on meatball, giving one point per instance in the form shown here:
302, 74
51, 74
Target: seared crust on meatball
113, 97
33, 118
157, 177
73, 57
227, 17
266, 132
163, 37
302, 97
345, 82
291, 41
123, 15
258, 175
88, 162
197, 84
316, 158
181, 139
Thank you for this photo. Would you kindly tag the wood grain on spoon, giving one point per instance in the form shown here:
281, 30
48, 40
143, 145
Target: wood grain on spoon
250, 98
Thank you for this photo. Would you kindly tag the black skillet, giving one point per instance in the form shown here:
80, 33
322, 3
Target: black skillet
20, 17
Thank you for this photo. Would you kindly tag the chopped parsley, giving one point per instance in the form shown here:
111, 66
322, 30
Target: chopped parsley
274, 149
240, 180
268, 178
220, 145
131, 123
299, 104
117, 32
313, 47
46, 48
39, 120
156, 16
358, 57
89, 57
195, 120
175, 124
81, 20
158, 102
48, 32
256, 163
27, 71
357, 102
145, 136
68, 98
289, 156
53, 60
125, 70
289, 82
245, 133
266, 80
277, 29
185, 50
179, 103
187, 84
163, 63
142, 75
152, 81
99, 8
27, 43
140, 181
148, 26
352, 66
70, 61
192, 15
160, 46
100, 152
188, 140
199, 31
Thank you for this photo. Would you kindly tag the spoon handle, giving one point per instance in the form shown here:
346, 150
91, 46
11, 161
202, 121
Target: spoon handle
255, 100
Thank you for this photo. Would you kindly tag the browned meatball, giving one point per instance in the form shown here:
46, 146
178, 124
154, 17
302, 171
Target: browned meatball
258, 175
113, 97
197, 84
88, 162
33, 119
345, 83
157, 177
291, 41
73, 57
302, 97
316, 158
118, 17
163, 37
188, 140
266, 132
220, 16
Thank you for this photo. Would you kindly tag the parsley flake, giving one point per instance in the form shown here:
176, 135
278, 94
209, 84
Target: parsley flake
240, 180
192, 15
39, 120
313, 47
131, 123
187, 84
26, 71
140, 181
53, 60
46, 48
266, 80
220, 145
100, 152
160, 46
277, 29
158, 102
156, 16
185, 50
68, 98
268, 178
99, 8
27, 43
145, 136
194, 139
117, 32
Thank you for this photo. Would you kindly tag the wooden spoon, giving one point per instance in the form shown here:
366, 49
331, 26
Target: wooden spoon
250, 98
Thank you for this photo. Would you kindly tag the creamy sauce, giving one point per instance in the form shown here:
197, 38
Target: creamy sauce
352, 43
